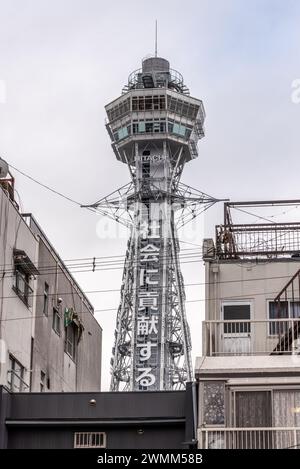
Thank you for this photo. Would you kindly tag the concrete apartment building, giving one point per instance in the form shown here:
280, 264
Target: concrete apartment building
249, 372
49, 337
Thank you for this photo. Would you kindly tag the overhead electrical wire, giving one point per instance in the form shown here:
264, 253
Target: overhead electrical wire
113, 258
114, 290
69, 199
233, 297
45, 186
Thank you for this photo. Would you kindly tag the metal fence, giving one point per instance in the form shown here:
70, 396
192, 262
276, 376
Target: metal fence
251, 337
249, 438
269, 240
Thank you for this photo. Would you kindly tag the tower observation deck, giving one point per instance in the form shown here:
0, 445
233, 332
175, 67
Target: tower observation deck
154, 126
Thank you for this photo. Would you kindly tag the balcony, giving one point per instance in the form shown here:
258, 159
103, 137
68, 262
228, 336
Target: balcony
251, 337
249, 438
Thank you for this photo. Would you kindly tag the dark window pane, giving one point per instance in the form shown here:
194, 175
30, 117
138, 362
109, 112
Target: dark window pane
237, 312
253, 409
278, 310
295, 309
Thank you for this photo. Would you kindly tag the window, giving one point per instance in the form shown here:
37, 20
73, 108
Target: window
238, 312
149, 127
155, 126
70, 340
184, 108
15, 375
253, 409
43, 380
122, 133
286, 408
121, 109
179, 129
56, 320
148, 103
259, 410
282, 310
46, 299
22, 286
89, 440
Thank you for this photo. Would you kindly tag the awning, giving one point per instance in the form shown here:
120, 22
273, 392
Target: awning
23, 261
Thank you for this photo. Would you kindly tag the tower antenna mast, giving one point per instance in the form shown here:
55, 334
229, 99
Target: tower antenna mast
155, 38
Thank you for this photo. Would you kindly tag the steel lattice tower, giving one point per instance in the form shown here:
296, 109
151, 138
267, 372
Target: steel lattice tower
154, 127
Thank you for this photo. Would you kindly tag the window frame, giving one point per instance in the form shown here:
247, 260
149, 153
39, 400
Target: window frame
230, 415
46, 299
73, 343
14, 375
237, 303
288, 317
42, 381
57, 318
25, 277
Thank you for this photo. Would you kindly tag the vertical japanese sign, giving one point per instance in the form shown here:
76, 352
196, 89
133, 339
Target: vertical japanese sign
148, 314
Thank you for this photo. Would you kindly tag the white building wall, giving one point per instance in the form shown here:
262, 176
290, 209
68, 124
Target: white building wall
257, 282
17, 320
27, 333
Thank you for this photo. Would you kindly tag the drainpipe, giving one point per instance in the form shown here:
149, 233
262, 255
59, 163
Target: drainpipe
195, 422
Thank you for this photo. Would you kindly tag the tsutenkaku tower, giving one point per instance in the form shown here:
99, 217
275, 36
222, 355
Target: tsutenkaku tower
154, 127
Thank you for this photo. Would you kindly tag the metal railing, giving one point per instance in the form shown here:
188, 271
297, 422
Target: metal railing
251, 337
269, 240
249, 438
172, 78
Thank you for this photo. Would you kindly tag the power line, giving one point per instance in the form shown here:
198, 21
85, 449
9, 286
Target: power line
95, 266
45, 186
248, 296
115, 258
114, 290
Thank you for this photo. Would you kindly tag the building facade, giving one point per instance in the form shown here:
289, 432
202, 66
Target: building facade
50, 339
249, 372
113, 420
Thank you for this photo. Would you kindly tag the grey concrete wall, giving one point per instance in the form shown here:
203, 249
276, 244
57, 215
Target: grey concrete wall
109, 405
64, 373
126, 437
130, 420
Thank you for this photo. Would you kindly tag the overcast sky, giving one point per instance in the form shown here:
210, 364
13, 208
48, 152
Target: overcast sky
62, 61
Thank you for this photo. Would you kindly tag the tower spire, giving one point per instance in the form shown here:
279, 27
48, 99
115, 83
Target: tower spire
155, 38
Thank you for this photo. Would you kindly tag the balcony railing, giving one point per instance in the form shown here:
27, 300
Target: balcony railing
249, 438
251, 337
